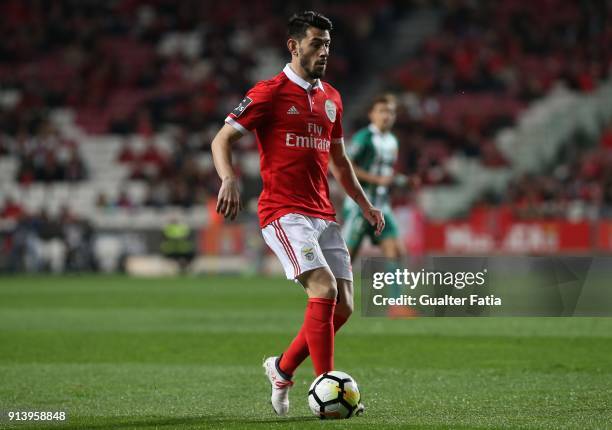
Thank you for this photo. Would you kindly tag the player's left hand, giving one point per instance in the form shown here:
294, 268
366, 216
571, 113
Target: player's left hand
376, 218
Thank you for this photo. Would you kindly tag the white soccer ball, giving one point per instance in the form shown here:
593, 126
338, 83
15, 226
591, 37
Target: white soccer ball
333, 395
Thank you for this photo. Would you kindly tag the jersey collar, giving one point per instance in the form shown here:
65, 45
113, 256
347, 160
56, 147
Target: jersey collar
375, 129
293, 77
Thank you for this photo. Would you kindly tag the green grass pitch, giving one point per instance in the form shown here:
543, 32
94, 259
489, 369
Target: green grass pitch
185, 353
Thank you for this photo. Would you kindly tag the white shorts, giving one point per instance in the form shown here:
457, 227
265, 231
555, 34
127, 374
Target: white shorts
303, 243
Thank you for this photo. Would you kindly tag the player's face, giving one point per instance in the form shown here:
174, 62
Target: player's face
313, 51
383, 115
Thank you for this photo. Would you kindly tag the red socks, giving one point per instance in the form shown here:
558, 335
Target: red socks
319, 332
317, 320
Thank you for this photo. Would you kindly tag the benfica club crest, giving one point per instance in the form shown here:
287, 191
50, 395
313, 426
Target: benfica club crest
308, 253
330, 110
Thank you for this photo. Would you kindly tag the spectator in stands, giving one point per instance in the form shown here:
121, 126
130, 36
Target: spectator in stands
153, 161
50, 170
50, 246
74, 169
48, 157
127, 155
78, 235
157, 194
26, 173
606, 137
180, 195
124, 201
102, 202
11, 210
21, 241
37, 244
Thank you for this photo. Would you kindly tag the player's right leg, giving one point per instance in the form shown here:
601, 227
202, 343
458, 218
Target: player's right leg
281, 383
293, 238
316, 337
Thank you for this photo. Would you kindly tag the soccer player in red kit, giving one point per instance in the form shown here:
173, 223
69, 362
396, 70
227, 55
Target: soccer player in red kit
297, 121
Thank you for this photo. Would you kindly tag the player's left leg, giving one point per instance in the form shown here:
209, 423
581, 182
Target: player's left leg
394, 253
337, 257
392, 248
298, 351
344, 304
339, 261
344, 309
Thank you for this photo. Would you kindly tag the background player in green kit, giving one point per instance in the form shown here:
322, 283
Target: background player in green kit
373, 151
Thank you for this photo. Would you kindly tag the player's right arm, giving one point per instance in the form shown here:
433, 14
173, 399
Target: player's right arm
247, 116
228, 201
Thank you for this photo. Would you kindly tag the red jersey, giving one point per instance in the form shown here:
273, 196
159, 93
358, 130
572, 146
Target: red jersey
295, 124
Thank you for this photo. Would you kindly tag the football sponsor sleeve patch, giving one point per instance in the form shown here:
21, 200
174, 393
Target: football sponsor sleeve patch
242, 106
250, 114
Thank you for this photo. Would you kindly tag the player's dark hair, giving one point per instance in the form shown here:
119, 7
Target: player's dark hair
382, 98
299, 23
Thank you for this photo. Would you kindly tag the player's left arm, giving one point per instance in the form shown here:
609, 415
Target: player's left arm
342, 170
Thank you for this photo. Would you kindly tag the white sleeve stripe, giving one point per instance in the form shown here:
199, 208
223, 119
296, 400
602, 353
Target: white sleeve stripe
231, 121
338, 140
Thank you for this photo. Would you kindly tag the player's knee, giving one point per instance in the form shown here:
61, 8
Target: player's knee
320, 283
323, 290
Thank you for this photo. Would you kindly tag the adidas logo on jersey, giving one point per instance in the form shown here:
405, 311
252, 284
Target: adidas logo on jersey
293, 111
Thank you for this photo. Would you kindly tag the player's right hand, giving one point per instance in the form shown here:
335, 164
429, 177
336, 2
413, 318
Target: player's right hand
228, 201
